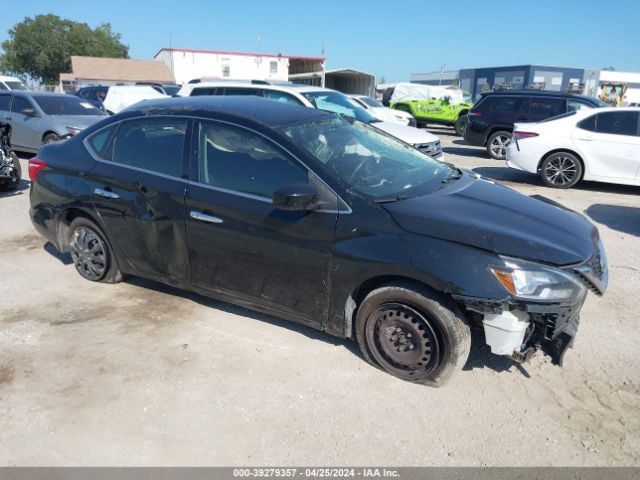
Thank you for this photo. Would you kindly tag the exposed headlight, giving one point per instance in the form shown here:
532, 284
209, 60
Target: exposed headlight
536, 282
74, 130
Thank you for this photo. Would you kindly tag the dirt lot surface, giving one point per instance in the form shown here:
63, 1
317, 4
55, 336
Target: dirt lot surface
142, 374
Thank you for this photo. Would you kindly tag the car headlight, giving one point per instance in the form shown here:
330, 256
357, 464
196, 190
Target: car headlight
529, 281
73, 130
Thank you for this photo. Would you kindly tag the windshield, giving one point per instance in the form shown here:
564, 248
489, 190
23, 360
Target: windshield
371, 102
65, 105
367, 160
336, 102
16, 85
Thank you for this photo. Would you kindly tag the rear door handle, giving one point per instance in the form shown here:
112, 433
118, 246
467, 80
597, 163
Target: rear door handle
105, 193
203, 217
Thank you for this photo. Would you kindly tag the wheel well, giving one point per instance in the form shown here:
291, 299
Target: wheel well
566, 150
462, 112
497, 129
49, 132
65, 220
361, 291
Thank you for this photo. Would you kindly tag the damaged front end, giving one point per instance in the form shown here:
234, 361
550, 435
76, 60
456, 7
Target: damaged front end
538, 314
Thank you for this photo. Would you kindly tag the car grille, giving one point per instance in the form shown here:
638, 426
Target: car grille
433, 149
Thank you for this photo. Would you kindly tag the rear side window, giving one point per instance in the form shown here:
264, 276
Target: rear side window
5, 101
505, 104
153, 144
588, 123
546, 107
100, 142
243, 91
239, 160
617, 123
196, 92
19, 104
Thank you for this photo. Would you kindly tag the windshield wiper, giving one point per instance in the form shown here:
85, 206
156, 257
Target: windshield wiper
395, 198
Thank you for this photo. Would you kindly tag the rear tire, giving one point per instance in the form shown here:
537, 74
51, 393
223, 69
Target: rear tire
497, 144
561, 170
461, 125
91, 253
413, 333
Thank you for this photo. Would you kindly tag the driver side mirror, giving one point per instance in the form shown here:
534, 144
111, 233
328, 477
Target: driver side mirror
297, 197
29, 112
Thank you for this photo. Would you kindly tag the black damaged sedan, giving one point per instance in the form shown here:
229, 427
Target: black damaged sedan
321, 220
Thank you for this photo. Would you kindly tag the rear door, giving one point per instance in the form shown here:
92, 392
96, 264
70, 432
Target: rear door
611, 143
25, 129
240, 246
137, 187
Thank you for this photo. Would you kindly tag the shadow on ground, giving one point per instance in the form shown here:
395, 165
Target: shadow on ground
617, 217
22, 186
480, 356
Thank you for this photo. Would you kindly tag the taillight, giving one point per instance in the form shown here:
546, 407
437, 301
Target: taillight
522, 135
474, 114
35, 165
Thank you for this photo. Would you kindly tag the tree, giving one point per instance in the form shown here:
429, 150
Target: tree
41, 47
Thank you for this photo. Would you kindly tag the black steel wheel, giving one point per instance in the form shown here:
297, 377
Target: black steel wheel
91, 253
404, 340
413, 333
561, 170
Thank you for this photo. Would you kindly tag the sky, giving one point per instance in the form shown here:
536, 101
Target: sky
389, 39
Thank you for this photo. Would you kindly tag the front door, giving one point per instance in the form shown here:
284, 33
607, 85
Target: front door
137, 188
25, 131
240, 246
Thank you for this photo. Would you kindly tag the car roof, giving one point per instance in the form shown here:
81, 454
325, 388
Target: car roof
268, 112
538, 93
283, 87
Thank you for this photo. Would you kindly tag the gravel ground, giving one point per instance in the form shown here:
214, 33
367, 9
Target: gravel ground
142, 374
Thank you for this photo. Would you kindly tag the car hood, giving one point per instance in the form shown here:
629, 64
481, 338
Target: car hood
79, 121
407, 134
481, 214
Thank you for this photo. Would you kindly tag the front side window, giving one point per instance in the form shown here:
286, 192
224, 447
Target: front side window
236, 159
154, 144
574, 105
367, 160
617, 123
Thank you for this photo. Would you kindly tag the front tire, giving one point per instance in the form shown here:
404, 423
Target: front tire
91, 253
497, 144
413, 333
50, 138
13, 184
461, 125
561, 170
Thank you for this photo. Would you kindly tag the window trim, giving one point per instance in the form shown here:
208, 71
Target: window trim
192, 146
118, 124
195, 156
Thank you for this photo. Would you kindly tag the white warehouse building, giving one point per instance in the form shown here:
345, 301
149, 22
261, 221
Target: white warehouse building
188, 64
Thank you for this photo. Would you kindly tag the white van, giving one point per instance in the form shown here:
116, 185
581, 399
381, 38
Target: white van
11, 83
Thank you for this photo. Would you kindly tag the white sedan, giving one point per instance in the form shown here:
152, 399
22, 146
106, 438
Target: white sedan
383, 113
602, 145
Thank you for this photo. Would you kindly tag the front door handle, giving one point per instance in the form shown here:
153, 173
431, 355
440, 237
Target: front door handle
203, 217
105, 193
